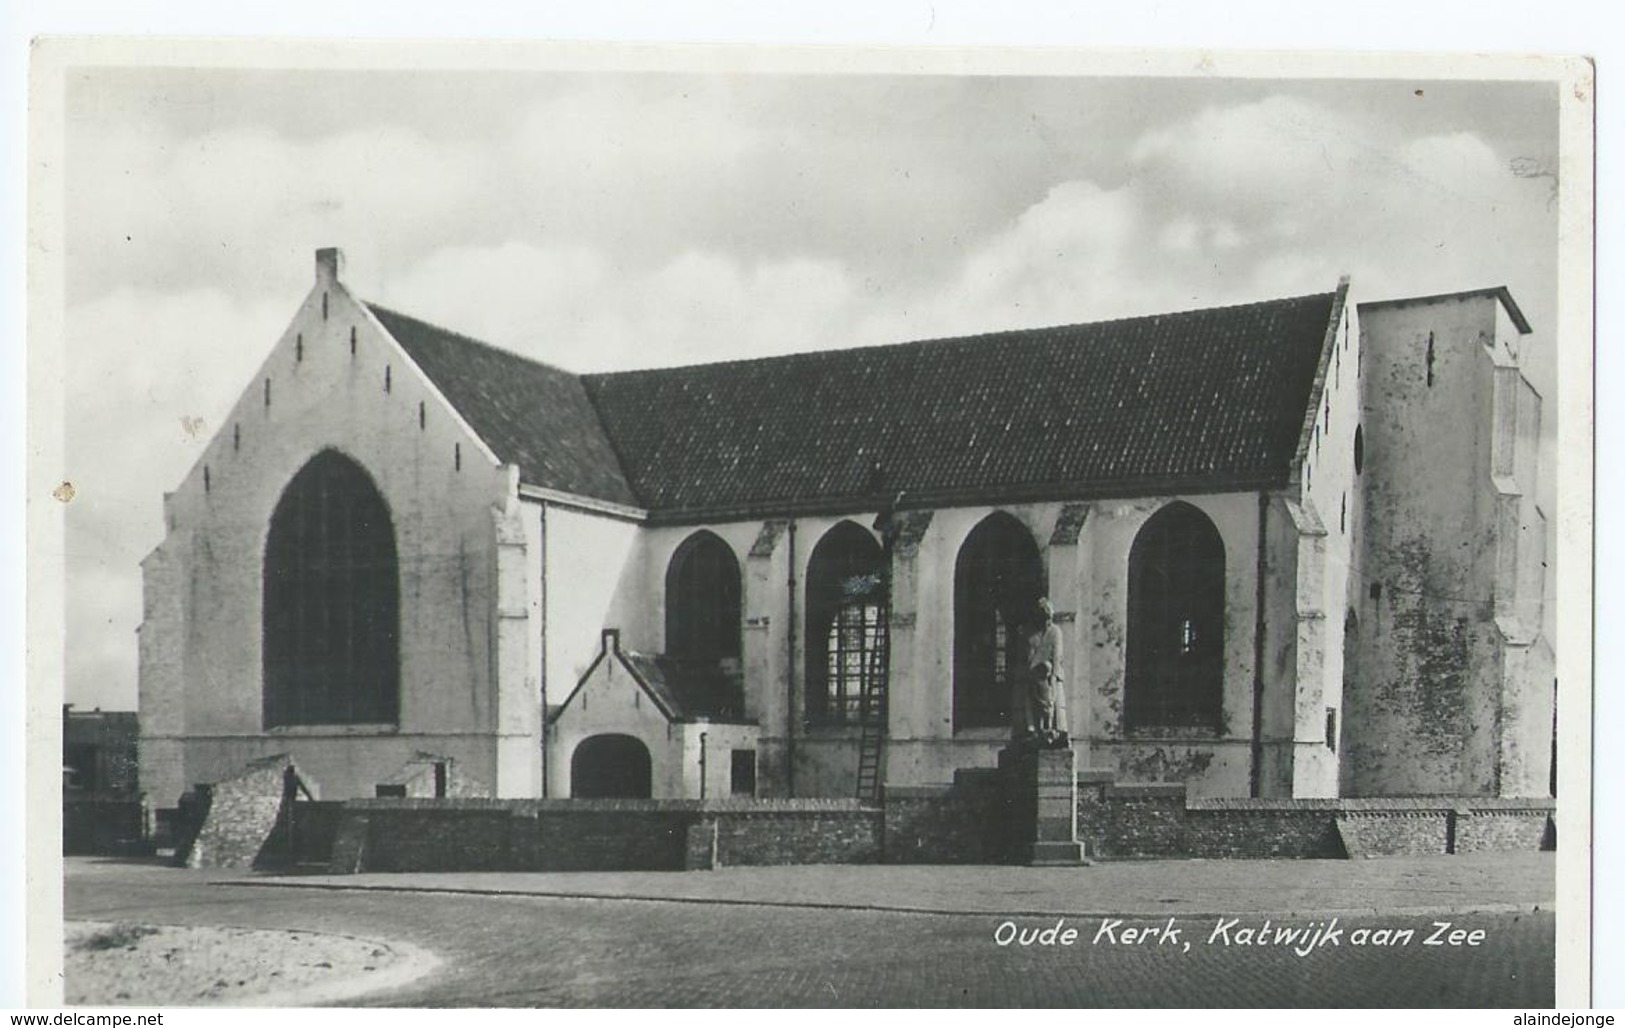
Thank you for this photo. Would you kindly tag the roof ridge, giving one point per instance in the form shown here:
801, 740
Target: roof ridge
462, 337
987, 336
993, 335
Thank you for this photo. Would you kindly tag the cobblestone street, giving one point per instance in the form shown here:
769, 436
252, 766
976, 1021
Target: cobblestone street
531, 950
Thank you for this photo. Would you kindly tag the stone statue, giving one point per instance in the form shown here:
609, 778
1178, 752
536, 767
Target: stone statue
1045, 708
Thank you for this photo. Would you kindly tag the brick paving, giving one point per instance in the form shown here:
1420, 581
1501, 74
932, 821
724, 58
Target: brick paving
1488, 882
538, 950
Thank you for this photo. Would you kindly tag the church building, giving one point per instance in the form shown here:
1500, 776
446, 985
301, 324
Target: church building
1292, 549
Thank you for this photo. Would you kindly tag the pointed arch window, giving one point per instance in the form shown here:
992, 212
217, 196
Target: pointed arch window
703, 613
1175, 673
998, 580
331, 601
843, 623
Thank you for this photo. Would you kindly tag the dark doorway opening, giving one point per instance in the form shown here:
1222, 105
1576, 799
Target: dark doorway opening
610, 767
742, 779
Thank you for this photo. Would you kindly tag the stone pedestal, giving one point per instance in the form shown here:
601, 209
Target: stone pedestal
1042, 786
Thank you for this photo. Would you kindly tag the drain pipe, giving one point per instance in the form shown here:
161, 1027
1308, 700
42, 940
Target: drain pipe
547, 745
790, 669
702, 765
1255, 777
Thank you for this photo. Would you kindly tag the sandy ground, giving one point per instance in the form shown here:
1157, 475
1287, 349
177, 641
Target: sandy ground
159, 965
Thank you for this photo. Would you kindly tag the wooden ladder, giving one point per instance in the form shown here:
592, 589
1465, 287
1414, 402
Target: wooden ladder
872, 710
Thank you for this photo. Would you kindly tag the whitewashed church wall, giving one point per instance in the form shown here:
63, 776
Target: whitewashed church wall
593, 580
1326, 569
1433, 682
1090, 595
313, 392
1213, 762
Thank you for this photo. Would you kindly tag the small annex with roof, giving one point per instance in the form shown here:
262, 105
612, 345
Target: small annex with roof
688, 716
693, 581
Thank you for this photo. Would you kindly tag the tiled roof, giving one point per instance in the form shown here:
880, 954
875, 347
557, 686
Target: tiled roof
528, 413
687, 690
1204, 400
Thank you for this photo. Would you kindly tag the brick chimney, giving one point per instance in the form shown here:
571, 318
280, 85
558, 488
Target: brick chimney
329, 265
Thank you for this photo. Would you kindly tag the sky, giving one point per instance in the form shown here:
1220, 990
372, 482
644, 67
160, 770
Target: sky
606, 221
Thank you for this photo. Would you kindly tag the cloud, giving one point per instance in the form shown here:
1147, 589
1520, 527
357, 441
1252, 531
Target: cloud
243, 208
150, 377
578, 308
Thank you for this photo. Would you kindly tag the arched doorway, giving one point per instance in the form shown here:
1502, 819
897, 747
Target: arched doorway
331, 612
610, 767
998, 580
1175, 672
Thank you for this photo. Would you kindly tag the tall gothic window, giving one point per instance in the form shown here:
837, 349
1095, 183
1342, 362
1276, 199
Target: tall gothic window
703, 611
331, 601
1175, 622
997, 582
843, 623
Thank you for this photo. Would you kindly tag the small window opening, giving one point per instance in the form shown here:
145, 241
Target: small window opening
1343, 513
205, 478
1359, 449
1331, 729
388, 379
440, 779
268, 392
422, 414
457, 456
299, 347
352, 340
1430, 360
1328, 425
1376, 590
324, 306
390, 792
236, 436
742, 773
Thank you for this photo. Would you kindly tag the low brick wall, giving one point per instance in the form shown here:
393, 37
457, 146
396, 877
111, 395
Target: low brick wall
599, 835
1260, 828
960, 824
1130, 820
303, 834
1159, 821
797, 832
963, 824
1515, 826
1418, 831
454, 838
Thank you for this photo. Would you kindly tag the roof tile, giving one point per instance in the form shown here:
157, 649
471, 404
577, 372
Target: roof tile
1196, 401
